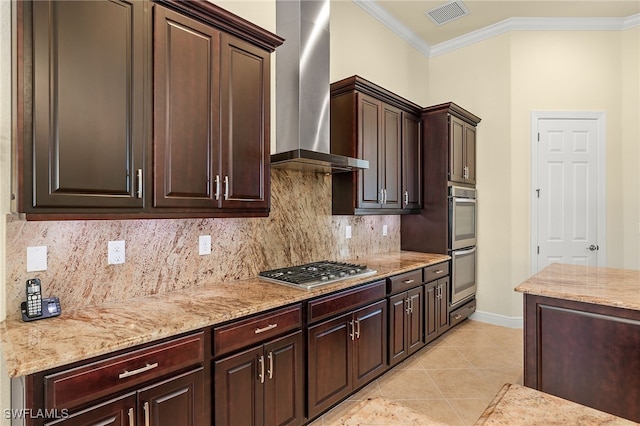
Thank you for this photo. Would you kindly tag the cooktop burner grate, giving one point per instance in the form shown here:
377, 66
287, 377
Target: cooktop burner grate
314, 274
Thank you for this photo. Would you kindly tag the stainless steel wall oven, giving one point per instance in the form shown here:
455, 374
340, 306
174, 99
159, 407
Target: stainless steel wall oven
462, 243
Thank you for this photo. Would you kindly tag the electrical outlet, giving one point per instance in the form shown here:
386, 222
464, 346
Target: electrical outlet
347, 232
116, 254
384, 230
204, 244
36, 258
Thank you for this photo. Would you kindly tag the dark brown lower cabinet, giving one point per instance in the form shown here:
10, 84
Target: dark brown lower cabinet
406, 324
583, 352
262, 385
344, 353
435, 307
175, 401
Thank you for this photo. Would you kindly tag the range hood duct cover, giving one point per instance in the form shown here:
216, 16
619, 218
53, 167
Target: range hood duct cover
302, 90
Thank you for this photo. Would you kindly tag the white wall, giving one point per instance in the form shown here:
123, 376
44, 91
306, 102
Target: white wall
630, 111
361, 45
478, 79
502, 80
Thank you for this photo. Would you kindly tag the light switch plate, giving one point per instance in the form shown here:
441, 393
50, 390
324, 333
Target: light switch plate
204, 244
384, 230
36, 258
348, 232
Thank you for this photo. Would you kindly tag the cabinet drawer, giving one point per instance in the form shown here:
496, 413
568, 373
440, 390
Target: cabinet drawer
405, 281
343, 301
462, 313
435, 272
256, 329
71, 388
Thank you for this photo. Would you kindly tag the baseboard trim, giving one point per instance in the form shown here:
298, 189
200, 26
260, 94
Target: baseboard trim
495, 319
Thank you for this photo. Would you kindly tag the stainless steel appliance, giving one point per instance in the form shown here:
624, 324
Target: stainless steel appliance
463, 275
462, 243
462, 217
315, 274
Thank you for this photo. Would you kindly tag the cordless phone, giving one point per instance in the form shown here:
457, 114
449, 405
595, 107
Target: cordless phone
34, 298
36, 307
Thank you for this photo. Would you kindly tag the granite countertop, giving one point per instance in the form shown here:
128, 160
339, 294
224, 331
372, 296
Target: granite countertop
519, 405
603, 286
84, 333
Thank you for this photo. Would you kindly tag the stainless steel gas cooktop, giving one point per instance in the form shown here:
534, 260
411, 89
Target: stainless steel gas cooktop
315, 274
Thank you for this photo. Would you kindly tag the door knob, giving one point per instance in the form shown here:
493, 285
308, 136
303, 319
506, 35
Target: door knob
593, 247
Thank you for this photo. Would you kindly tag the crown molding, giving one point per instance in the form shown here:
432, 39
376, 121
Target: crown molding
375, 10
536, 24
631, 21
510, 24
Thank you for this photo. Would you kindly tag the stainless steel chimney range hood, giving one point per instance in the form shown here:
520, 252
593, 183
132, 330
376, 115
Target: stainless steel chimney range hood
302, 90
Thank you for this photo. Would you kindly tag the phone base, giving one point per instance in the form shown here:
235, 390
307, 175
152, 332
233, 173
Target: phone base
50, 308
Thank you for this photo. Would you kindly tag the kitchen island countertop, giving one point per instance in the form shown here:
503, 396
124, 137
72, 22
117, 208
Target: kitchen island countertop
619, 288
81, 334
520, 405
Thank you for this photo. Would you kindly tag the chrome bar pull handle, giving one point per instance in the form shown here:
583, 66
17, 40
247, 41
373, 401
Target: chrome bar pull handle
226, 187
139, 179
406, 198
381, 196
261, 372
353, 330
270, 370
358, 329
132, 419
138, 371
408, 281
408, 310
147, 415
267, 328
385, 196
217, 187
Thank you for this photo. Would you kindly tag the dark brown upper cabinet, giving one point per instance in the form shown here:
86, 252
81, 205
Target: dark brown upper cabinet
371, 123
133, 109
81, 119
454, 128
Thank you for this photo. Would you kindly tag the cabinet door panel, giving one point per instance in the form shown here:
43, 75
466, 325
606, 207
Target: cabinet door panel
456, 150
238, 396
392, 141
470, 152
115, 412
329, 363
415, 325
397, 328
245, 124
411, 162
88, 104
186, 111
430, 311
369, 122
284, 386
370, 345
176, 401
443, 314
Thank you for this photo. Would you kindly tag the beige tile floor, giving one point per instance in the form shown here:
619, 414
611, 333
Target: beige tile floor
451, 380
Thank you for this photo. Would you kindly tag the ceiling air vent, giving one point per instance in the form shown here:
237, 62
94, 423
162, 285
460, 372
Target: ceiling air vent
447, 12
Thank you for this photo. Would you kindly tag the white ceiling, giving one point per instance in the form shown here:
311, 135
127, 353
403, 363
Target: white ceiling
408, 18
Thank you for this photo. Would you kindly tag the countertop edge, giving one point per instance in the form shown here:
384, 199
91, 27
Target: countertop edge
18, 364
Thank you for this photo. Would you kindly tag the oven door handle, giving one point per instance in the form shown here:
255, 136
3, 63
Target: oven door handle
456, 253
464, 200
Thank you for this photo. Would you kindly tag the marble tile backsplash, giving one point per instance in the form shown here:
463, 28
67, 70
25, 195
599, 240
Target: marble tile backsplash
162, 254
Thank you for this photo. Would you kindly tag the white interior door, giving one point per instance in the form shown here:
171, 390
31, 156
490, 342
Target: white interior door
567, 192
